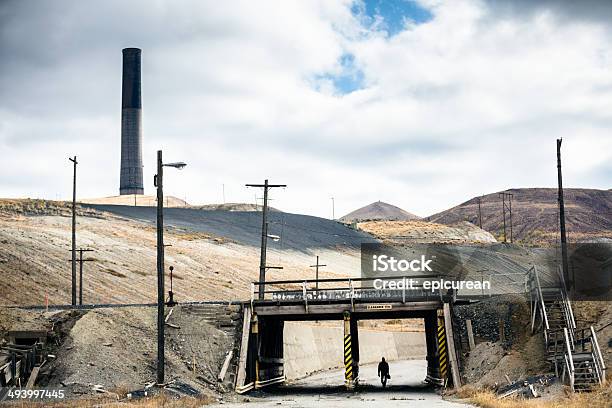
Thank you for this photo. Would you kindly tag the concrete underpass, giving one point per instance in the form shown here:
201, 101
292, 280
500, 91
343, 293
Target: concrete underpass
275, 349
299, 357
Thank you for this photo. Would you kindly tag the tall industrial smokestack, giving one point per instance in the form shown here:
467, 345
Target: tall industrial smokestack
131, 131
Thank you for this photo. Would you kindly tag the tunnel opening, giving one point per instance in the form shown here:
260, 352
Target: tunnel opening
314, 354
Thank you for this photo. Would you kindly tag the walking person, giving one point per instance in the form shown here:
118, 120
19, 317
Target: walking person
383, 372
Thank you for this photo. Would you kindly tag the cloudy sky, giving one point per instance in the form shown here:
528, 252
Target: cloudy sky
423, 104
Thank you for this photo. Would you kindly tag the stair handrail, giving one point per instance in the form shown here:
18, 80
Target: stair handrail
569, 360
541, 303
600, 364
568, 314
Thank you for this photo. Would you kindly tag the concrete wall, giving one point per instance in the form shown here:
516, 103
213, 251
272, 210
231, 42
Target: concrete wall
309, 348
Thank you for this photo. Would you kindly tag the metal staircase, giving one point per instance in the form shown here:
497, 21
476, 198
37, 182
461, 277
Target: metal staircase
574, 353
589, 367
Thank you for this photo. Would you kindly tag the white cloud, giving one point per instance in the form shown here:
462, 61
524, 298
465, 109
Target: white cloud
468, 103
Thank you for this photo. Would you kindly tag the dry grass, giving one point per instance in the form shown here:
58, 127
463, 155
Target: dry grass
602, 398
159, 401
12, 207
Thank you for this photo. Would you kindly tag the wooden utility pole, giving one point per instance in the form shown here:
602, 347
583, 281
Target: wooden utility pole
479, 214
507, 205
74, 278
569, 284
264, 235
317, 273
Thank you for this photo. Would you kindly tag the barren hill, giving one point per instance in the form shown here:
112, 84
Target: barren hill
215, 253
378, 211
417, 231
232, 207
535, 216
136, 200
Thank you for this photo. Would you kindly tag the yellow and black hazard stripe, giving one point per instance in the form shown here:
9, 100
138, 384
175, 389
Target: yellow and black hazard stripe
348, 358
442, 350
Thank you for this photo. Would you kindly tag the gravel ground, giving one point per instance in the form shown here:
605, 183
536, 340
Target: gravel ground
405, 389
116, 349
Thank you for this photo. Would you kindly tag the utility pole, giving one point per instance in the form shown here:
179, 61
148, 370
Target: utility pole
505, 207
74, 279
158, 182
510, 208
564, 262
317, 273
333, 209
81, 260
264, 235
479, 214
223, 193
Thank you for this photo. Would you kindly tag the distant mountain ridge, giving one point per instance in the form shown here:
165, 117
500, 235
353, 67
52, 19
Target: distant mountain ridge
535, 217
379, 211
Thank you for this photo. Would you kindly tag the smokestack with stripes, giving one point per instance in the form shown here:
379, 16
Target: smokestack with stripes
131, 120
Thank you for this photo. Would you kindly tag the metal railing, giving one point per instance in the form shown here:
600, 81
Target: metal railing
569, 360
568, 314
600, 365
537, 302
396, 288
587, 341
572, 339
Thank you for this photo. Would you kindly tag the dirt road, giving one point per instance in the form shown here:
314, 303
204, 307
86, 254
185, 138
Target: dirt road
404, 389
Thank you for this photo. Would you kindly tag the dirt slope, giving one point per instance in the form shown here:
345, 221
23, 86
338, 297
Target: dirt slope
535, 214
35, 251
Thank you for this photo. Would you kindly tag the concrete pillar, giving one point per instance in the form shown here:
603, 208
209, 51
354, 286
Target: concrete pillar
355, 349
433, 357
349, 376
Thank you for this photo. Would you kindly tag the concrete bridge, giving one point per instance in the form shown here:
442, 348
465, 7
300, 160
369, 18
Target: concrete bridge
261, 359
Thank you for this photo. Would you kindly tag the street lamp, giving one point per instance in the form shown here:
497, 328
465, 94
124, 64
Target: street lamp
158, 181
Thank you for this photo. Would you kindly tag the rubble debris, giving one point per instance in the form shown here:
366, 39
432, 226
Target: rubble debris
530, 387
226, 363
182, 389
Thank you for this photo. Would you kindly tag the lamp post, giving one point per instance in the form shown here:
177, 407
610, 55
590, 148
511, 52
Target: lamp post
158, 182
